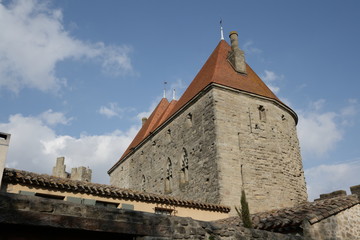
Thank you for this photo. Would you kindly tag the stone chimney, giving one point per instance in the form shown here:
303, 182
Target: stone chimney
59, 169
4, 145
355, 190
81, 174
236, 56
143, 120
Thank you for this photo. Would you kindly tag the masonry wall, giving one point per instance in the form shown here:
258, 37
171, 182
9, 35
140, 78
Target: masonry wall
344, 225
192, 134
232, 140
144, 206
26, 217
258, 150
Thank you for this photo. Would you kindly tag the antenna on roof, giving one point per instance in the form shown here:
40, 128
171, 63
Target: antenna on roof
221, 30
164, 89
174, 97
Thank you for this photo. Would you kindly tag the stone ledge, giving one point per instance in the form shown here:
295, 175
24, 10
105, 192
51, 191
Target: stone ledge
46, 215
30, 210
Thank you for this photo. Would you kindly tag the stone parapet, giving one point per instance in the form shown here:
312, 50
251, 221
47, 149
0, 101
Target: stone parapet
333, 194
355, 190
44, 215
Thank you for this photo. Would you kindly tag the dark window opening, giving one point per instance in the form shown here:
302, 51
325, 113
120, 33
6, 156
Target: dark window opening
3, 136
169, 176
106, 204
49, 196
164, 211
262, 113
184, 174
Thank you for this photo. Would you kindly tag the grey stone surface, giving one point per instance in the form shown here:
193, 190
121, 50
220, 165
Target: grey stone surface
344, 225
196, 136
236, 56
233, 140
40, 214
79, 173
4, 145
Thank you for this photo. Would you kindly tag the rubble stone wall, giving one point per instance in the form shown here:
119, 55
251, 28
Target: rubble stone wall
190, 135
258, 150
231, 141
344, 225
29, 217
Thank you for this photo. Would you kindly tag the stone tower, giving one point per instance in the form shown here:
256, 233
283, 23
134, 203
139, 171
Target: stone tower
227, 133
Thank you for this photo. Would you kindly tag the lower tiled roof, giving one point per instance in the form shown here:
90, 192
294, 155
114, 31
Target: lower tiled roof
45, 181
288, 219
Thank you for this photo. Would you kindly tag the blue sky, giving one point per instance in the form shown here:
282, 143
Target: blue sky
77, 76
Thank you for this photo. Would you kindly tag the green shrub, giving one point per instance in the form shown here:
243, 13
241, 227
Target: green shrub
244, 212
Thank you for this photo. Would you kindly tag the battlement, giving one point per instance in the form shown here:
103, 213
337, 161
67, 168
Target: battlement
338, 193
80, 173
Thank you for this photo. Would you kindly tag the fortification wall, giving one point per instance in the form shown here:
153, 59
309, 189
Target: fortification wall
179, 159
258, 149
230, 140
344, 225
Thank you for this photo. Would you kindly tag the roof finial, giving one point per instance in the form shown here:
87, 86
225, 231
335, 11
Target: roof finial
174, 92
221, 30
164, 89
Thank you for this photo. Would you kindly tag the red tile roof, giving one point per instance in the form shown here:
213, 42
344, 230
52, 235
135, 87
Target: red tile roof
44, 181
287, 219
216, 70
149, 126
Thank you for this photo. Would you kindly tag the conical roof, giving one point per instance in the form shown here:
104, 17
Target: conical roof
216, 69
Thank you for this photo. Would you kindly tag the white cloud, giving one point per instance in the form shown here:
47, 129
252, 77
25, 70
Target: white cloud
269, 77
317, 105
328, 178
112, 110
320, 131
53, 118
34, 146
250, 49
33, 40
351, 109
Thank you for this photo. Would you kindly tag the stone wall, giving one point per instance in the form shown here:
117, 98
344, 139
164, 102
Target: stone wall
27, 217
4, 145
258, 150
230, 140
344, 225
81, 174
191, 136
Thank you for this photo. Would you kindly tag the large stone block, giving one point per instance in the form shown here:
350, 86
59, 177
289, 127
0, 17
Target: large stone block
232, 141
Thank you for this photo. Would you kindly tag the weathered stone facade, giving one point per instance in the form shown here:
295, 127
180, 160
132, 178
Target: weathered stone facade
159, 160
344, 225
4, 145
79, 173
27, 217
230, 140
258, 150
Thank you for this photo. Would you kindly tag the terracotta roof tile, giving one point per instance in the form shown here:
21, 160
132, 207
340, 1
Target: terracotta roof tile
45, 181
149, 125
216, 70
166, 114
287, 219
